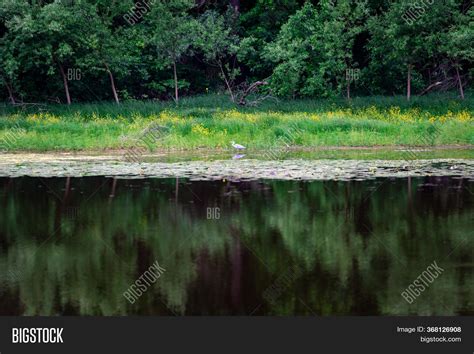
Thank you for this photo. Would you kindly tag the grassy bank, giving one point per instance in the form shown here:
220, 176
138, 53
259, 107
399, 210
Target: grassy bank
212, 122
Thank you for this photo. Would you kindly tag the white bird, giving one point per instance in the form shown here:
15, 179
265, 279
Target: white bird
237, 146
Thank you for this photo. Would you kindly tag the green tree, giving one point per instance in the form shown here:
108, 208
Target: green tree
293, 53
457, 44
107, 51
260, 25
315, 48
219, 43
343, 21
13, 53
409, 38
173, 34
9, 66
53, 35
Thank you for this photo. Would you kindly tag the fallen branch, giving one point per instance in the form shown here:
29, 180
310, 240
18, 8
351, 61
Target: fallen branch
246, 91
426, 90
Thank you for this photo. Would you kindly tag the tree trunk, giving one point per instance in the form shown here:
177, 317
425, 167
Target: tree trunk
461, 91
67, 189
112, 83
348, 89
66, 86
10, 93
176, 97
114, 187
176, 190
227, 83
409, 83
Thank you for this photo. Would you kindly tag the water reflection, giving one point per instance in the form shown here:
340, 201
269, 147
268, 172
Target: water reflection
73, 246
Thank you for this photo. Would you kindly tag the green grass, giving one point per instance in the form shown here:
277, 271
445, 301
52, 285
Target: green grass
212, 121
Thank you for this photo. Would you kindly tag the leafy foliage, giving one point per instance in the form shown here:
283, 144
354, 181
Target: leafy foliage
151, 49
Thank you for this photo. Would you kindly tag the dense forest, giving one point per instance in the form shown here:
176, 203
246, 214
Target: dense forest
92, 50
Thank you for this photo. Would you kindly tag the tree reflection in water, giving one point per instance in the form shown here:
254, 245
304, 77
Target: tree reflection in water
73, 246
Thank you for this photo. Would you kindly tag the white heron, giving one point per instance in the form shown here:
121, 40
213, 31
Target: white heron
237, 146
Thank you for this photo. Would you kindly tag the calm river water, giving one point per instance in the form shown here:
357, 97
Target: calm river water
74, 246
